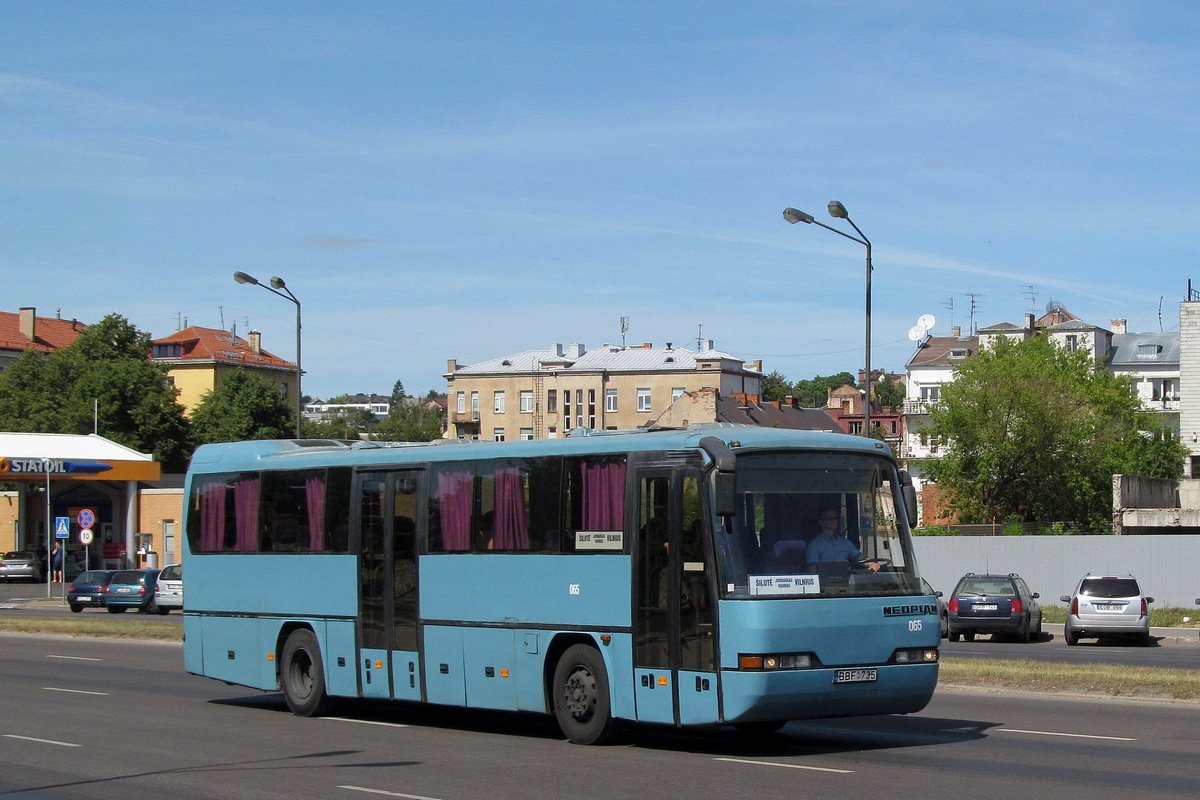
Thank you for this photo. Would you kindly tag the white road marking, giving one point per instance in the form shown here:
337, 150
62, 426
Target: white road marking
1072, 735
74, 658
40, 741
368, 722
389, 794
788, 766
73, 691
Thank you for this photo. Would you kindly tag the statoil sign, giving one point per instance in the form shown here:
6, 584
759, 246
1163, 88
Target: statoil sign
50, 466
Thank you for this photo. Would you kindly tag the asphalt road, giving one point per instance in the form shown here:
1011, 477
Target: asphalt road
98, 718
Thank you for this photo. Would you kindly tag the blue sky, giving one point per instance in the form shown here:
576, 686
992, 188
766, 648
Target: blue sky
467, 180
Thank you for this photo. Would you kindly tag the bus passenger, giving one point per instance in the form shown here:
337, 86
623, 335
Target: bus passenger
831, 546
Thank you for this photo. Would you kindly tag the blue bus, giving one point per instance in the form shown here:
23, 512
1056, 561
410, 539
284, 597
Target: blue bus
710, 575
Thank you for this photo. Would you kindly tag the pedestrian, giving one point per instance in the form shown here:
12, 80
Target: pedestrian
56, 563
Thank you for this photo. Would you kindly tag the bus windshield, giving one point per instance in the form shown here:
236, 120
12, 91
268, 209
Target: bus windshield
824, 524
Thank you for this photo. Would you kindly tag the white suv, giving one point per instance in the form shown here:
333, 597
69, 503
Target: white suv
1104, 605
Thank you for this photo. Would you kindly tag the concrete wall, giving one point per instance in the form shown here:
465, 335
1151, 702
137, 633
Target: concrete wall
1165, 565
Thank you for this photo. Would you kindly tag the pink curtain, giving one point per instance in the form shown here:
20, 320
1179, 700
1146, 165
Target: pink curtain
316, 512
454, 502
603, 496
245, 500
212, 516
512, 526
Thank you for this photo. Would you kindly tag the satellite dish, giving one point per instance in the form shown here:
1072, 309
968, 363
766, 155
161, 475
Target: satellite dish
926, 321
915, 333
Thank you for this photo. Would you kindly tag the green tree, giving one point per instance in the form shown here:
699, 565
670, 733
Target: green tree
244, 406
1037, 432
412, 421
398, 392
889, 393
104, 381
814, 392
775, 386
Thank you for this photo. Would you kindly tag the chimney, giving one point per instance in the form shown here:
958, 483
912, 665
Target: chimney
757, 365
1118, 326
575, 350
451, 364
1029, 323
255, 338
556, 350
28, 323
956, 332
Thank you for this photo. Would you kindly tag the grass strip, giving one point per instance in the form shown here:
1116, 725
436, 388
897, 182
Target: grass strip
1110, 680
95, 626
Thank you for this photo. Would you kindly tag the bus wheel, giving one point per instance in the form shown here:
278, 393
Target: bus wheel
303, 676
581, 701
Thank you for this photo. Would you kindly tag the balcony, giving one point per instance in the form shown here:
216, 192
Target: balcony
912, 407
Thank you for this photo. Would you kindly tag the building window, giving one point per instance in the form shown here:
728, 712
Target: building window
474, 405
643, 400
461, 406
930, 394
498, 402
592, 409
855, 428
526, 401
497, 434
610, 400
579, 408
552, 401
566, 409
526, 434
676, 393
1072, 343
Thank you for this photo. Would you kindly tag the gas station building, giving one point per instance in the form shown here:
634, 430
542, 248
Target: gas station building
138, 512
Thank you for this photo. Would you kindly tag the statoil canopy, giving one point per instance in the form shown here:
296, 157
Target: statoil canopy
36, 456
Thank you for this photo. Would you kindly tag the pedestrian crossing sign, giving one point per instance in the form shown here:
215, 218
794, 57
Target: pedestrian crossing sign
62, 527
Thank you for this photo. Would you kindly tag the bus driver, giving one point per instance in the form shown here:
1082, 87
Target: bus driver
831, 546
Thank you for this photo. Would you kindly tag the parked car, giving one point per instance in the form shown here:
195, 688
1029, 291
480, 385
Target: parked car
88, 589
168, 592
943, 613
20, 564
131, 588
1103, 605
994, 604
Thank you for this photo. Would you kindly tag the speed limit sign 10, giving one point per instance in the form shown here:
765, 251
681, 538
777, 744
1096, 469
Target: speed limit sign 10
85, 536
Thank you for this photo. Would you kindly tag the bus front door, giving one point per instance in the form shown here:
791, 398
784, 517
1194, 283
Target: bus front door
675, 678
387, 663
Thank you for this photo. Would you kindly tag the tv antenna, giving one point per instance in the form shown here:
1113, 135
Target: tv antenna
950, 305
974, 306
1032, 294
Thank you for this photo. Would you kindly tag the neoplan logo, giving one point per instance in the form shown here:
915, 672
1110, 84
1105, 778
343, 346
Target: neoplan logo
906, 611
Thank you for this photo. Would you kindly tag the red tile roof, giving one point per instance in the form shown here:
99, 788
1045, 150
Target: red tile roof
49, 333
207, 344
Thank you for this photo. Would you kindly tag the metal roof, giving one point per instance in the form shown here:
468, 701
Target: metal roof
609, 358
1139, 349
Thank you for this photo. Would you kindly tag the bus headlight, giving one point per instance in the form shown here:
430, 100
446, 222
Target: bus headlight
917, 655
777, 661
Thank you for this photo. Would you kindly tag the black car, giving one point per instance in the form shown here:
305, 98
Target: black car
88, 589
993, 604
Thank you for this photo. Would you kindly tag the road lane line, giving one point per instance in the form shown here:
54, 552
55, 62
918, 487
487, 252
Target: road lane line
73, 658
73, 691
389, 794
41, 741
1071, 735
368, 722
788, 766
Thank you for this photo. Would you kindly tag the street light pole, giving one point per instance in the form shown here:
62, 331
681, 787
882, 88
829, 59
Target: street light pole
838, 210
277, 284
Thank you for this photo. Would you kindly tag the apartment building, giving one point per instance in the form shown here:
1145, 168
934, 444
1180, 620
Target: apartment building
25, 330
198, 359
541, 394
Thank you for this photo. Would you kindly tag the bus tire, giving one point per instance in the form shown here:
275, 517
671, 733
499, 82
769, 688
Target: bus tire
302, 675
581, 700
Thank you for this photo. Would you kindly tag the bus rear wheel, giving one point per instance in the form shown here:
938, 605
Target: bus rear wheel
302, 675
581, 700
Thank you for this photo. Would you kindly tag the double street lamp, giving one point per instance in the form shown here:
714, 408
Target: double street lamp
838, 210
277, 284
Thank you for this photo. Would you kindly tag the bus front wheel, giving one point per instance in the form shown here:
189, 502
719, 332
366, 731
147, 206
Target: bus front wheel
302, 675
581, 699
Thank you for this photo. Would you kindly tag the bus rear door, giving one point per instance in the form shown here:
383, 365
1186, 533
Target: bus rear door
388, 513
675, 678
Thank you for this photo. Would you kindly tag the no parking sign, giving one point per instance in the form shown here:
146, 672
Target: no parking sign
86, 518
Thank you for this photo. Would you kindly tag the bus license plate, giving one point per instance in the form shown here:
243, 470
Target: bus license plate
855, 676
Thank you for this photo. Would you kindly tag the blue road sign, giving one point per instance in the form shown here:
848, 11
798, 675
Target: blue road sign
62, 527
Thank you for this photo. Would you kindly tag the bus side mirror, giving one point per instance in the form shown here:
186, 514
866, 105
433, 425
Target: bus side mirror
725, 487
909, 494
